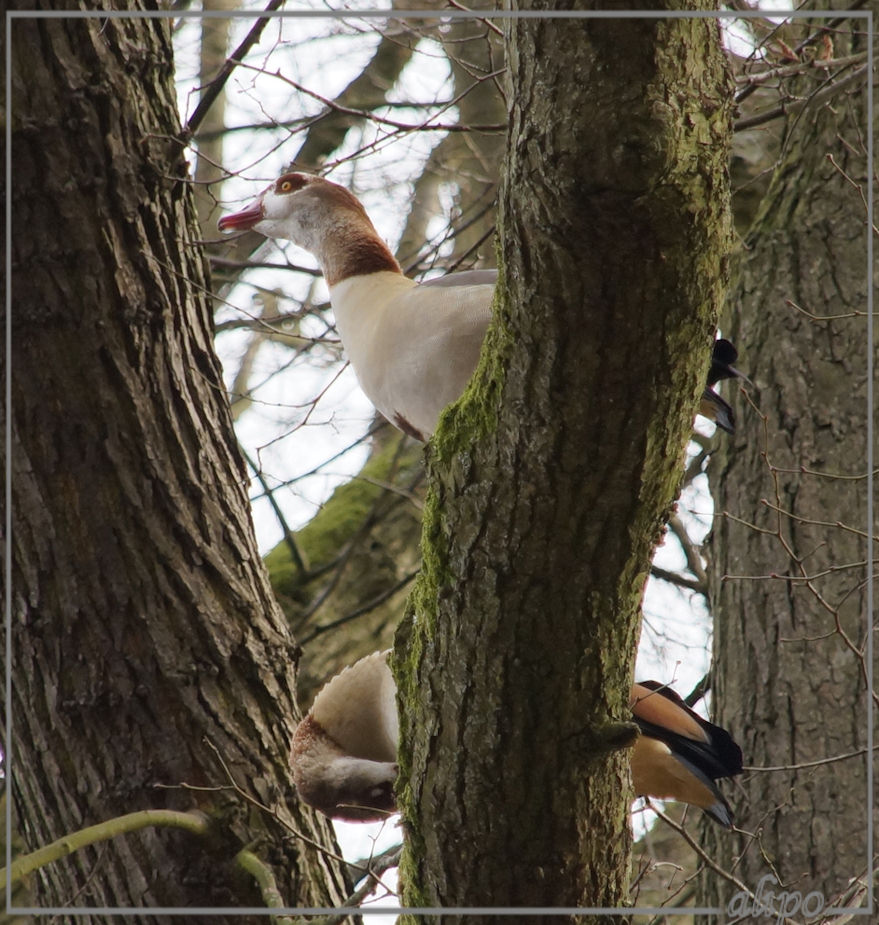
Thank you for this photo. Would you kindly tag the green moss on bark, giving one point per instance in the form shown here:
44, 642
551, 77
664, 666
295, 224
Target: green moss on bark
551, 478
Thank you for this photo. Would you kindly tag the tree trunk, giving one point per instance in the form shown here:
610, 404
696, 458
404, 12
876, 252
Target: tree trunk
147, 650
789, 673
551, 479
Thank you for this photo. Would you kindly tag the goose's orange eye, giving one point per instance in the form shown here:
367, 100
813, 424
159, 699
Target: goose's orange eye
286, 186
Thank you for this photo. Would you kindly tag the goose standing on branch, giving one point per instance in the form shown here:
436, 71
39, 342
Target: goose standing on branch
345, 750
413, 346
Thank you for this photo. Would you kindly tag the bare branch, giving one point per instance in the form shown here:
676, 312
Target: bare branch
217, 84
796, 106
427, 125
675, 578
691, 550
368, 607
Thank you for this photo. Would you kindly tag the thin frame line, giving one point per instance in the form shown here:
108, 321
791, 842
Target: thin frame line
434, 14
373, 910
7, 558
403, 910
870, 487
431, 14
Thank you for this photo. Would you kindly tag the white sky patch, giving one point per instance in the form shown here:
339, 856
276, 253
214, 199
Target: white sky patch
367, 840
738, 38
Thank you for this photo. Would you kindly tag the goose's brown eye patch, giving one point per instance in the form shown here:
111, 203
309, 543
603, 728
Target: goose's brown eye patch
290, 182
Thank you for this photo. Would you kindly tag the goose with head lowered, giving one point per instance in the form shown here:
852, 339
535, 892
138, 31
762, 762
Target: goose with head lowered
413, 346
344, 755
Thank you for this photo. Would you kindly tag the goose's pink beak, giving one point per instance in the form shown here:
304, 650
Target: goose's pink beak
243, 220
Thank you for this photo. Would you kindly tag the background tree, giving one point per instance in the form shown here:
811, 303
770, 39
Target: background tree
788, 551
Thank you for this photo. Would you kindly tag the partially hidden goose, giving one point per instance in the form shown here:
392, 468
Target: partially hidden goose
345, 750
679, 755
712, 406
413, 346
344, 754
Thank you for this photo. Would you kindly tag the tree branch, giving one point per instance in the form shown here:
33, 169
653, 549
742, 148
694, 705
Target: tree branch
266, 882
289, 535
674, 578
217, 84
797, 106
426, 125
68, 844
691, 551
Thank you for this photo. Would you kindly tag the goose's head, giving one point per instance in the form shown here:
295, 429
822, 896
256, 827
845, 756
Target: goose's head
299, 208
321, 217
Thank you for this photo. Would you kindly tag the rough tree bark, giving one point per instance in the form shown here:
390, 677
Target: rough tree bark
551, 479
147, 649
789, 646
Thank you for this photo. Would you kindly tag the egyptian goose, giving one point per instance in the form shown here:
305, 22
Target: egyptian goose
679, 755
413, 346
712, 406
344, 754
345, 750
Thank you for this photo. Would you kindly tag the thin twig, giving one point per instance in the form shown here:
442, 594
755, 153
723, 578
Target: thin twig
810, 764
368, 607
853, 183
700, 851
215, 87
374, 868
790, 70
426, 125
797, 106
288, 535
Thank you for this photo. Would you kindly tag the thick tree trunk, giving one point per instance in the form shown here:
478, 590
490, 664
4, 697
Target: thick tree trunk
147, 650
789, 675
551, 480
